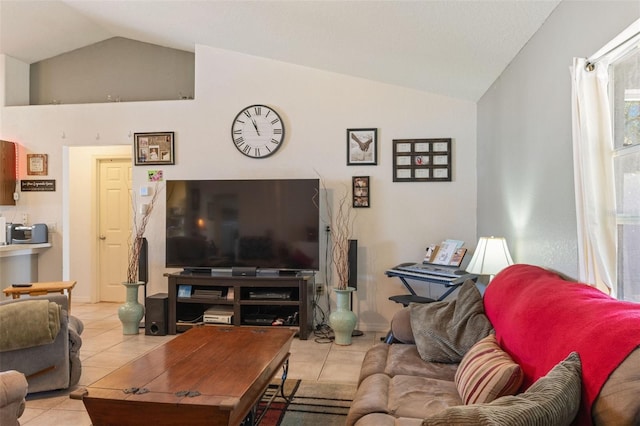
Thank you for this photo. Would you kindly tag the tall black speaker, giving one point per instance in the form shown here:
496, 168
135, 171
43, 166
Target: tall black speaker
155, 321
143, 261
352, 257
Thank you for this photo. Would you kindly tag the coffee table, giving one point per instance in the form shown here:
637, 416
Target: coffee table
209, 375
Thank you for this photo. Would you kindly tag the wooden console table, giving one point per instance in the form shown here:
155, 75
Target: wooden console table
40, 289
205, 376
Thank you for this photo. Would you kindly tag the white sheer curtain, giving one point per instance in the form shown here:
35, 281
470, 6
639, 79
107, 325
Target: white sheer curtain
593, 175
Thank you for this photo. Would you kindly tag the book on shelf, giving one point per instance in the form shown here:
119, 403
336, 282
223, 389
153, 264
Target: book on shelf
184, 291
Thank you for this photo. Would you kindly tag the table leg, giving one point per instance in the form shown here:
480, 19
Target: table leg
285, 372
253, 419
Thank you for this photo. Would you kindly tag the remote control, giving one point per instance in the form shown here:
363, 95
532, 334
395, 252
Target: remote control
22, 285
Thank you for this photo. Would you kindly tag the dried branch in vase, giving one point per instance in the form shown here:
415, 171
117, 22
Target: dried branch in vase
341, 219
137, 234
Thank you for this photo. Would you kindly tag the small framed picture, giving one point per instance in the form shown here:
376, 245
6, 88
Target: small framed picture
153, 148
361, 191
37, 165
362, 147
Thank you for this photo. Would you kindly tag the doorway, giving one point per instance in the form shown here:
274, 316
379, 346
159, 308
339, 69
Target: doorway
114, 227
81, 228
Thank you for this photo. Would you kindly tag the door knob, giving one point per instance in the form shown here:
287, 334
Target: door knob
102, 237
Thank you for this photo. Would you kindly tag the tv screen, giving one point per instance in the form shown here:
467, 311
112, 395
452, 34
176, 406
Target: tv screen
268, 224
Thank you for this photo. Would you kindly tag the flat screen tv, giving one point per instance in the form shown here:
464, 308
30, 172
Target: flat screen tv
270, 224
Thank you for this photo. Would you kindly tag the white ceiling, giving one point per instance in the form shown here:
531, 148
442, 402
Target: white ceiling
450, 47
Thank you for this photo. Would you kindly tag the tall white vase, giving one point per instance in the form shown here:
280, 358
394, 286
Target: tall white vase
343, 320
132, 311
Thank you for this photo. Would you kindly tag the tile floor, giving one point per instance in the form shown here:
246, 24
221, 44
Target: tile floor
105, 348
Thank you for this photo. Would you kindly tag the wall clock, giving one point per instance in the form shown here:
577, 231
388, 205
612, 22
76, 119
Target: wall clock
257, 131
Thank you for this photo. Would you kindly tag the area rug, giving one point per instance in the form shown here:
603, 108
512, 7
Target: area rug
310, 402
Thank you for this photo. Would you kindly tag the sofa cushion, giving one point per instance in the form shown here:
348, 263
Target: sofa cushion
403, 360
553, 400
445, 331
402, 396
486, 373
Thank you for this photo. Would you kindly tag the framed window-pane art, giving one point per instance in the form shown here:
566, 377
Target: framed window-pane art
153, 148
422, 160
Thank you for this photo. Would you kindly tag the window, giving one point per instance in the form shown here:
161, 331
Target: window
624, 86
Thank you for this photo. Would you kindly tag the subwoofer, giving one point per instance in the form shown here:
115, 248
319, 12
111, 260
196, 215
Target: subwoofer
155, 322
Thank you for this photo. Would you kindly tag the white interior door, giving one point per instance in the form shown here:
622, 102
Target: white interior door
114, 227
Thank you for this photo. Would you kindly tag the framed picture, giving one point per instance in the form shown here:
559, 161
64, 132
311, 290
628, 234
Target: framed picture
37, 165
153, 148
362, 147
361, 191
422, 160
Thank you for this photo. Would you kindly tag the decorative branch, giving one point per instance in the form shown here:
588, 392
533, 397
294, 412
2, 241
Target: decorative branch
341, 228
137, 234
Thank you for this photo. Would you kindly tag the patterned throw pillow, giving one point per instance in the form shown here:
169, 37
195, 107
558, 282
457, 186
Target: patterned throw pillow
486, 373
553, 400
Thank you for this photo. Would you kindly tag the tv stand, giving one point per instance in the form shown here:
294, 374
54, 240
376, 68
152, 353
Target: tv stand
254, 300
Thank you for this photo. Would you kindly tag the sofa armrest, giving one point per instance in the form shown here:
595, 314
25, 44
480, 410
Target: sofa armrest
75, 343
401, 326
13, 390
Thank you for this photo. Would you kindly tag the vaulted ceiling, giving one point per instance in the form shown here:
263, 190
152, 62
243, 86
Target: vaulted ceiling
449, 47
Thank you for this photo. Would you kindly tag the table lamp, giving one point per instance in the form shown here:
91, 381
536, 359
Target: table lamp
491, 256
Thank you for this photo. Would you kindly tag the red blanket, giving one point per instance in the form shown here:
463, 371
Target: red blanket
540, 318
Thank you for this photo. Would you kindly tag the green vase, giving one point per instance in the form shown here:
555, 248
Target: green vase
132, 311
343, 320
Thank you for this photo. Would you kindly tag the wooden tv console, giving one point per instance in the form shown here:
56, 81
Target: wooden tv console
253, 300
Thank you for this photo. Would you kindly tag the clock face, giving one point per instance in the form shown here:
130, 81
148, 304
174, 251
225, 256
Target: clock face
257, 131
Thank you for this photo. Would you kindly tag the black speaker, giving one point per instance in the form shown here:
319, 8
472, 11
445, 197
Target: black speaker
143, 261
352, 257
244, 271
155, 322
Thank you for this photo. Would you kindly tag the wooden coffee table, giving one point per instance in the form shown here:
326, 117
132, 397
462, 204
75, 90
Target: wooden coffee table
208, 375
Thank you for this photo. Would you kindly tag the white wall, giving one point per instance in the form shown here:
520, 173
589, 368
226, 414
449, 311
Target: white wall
317, 108
17, 73
525, 156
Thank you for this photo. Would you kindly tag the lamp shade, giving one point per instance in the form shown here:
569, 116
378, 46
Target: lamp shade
491, 256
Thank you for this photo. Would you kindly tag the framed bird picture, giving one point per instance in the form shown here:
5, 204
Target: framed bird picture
362, 147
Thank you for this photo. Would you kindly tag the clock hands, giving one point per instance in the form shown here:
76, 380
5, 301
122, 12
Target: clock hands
255, 125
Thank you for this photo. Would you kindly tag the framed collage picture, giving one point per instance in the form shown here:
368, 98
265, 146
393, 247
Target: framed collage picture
153, 148
361, 191
422, 160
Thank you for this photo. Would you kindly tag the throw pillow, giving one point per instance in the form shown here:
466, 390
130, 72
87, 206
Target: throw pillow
486, 373
553, 400
445, 331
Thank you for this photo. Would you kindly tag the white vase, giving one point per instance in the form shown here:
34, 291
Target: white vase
132, 311
343, 320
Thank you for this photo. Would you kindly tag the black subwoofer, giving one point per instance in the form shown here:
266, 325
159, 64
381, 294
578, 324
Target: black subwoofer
155, 321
